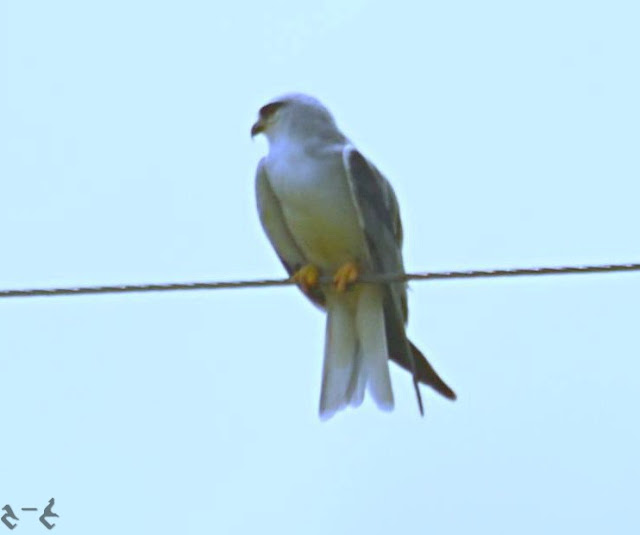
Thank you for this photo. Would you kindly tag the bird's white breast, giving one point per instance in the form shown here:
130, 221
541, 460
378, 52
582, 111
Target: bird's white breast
317, 205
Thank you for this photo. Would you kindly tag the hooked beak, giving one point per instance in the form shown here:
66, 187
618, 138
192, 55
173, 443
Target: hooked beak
257, 128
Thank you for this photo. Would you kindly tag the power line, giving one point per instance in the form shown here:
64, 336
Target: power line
219, 285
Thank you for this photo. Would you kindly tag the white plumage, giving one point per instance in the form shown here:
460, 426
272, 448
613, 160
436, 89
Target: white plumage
322, 204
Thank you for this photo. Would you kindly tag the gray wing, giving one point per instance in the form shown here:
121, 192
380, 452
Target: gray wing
379, 216
275, 226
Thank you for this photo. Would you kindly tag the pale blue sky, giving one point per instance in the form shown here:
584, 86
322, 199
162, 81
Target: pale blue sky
510, 131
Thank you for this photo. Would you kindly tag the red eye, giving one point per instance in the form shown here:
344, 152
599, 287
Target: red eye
269, 109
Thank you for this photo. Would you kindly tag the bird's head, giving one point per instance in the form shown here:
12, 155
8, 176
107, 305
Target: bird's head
295, 115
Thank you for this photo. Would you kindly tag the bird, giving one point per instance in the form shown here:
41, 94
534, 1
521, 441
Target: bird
332, 219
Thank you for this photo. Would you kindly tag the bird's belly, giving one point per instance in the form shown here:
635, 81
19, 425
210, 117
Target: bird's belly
318, 208
327, 230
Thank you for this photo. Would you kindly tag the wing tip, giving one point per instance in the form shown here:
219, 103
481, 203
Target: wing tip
428, 376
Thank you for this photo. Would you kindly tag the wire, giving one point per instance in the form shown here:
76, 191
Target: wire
393, 277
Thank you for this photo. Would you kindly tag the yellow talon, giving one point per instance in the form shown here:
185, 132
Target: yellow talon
307, 277
346, 275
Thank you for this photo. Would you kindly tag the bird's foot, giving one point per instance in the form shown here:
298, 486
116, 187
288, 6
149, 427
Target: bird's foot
347, 274
307, 277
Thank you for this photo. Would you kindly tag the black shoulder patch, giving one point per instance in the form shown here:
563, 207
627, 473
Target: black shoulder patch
368, 188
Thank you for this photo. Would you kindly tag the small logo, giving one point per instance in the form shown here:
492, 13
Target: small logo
10, 519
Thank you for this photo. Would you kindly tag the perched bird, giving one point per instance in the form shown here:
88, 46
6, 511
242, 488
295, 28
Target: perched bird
328, 211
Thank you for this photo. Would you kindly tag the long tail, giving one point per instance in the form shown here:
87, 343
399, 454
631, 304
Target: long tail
356, 354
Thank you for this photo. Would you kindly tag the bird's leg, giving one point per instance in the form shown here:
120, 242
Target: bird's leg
307, 277
347, 274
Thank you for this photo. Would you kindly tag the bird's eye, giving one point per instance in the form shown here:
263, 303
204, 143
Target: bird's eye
269, 109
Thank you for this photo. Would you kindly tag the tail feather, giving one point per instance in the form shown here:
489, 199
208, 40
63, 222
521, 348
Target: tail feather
341, 368
356, 356
371, 334
358, 383
359, 343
